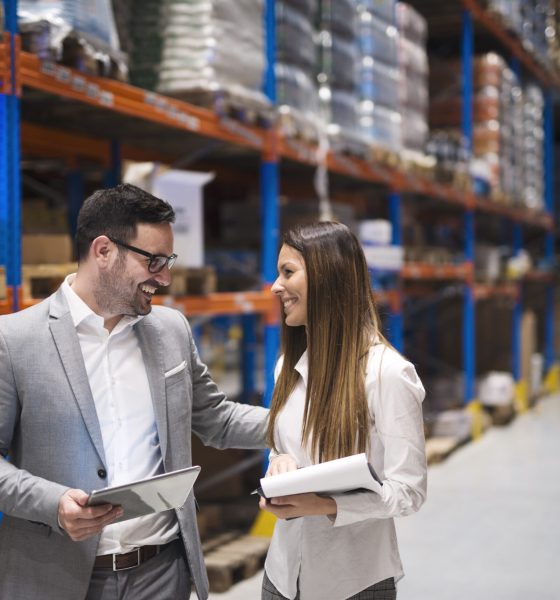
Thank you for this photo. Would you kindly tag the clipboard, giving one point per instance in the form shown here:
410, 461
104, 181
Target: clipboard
152, 495
334, 476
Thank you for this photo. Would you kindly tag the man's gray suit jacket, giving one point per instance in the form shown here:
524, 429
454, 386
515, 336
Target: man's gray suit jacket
50, 440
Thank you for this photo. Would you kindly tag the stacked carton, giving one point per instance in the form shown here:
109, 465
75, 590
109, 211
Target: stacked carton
504, 115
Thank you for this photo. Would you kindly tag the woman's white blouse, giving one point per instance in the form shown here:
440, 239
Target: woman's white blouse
337, 558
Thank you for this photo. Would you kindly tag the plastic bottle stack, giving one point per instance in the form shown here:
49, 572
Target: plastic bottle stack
378, 83
413, 77
296, 57
336, 70
532, 148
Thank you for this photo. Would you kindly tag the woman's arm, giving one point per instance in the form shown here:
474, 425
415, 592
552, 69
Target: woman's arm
395, 395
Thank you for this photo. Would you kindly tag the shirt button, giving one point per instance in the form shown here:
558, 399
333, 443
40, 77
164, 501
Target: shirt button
102, 473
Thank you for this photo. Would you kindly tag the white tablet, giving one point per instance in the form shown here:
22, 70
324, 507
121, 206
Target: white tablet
152, 495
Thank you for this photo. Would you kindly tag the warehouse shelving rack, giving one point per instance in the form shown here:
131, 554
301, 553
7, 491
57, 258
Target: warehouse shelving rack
119, 101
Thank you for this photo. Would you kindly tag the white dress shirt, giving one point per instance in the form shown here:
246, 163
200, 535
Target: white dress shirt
337, 558
123, 401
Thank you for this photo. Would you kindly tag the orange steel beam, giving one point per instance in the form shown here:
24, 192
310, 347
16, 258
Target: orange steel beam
54, 142
5, 62
490, 23
521, 215
226, 303
422, 270
135, 102
39, 139
485, 292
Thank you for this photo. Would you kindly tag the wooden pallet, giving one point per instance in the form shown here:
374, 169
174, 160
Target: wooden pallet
384, 156
40, 281
294, 125
235, 560
228, 104
3, 289
439, 448
501, 415
347, 144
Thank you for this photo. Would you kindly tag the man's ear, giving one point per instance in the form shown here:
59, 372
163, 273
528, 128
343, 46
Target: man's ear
101, 250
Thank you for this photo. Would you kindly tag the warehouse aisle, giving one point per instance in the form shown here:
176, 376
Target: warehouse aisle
491, 527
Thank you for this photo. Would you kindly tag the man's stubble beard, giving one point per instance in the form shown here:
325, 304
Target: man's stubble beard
116, 294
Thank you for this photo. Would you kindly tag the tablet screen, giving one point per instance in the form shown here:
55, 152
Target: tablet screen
152, 495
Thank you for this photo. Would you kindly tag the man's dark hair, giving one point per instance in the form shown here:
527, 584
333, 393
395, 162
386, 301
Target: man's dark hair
115, 212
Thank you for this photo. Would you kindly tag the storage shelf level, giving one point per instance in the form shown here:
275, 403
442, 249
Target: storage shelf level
132, 101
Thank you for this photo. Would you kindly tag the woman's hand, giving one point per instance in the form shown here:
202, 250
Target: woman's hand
281, 464
299, 505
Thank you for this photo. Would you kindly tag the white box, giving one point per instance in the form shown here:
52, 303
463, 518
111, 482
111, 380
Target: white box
375, 232
183, 190
386, 258
497, 388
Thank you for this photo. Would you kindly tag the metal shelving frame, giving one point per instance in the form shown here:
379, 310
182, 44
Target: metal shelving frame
22, 69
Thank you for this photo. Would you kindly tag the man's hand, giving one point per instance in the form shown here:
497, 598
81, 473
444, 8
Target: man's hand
281, 464
81, 521
299, 505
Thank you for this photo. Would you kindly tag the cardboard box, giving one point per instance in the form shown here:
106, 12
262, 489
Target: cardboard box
41, 249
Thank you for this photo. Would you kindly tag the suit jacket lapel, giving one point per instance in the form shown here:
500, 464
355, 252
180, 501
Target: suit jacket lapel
150, 335
68, 346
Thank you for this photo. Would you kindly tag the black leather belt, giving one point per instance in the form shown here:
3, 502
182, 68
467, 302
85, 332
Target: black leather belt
128, 560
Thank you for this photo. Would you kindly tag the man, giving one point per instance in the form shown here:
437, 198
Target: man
98, 389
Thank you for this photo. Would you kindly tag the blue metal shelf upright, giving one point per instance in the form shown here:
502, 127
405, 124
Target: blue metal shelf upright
269, 207
517, 229
10, 210
469, 315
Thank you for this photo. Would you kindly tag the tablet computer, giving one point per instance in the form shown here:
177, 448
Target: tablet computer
151, 495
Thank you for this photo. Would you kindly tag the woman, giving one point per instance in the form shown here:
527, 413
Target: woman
341, 389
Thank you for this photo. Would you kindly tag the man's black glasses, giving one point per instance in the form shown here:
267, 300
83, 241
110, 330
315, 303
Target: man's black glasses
157, 261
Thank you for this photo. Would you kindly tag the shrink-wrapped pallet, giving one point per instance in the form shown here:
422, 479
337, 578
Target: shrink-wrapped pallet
336, 65
413, 80
379, 111
295, 69
80, 34
181, 47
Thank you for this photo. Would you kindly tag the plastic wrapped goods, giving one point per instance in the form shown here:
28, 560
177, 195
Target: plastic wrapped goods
533, 149
81, 34
529, 20
378, 82
414, 130
295, 88
377, 38
412, 26
182, 45
294, 38
413, 58
337, 72
381, 124
343, 110
384, 9
337, 16
304, 7
413, 70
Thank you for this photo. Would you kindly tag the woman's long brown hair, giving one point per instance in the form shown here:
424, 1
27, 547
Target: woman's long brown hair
342, 324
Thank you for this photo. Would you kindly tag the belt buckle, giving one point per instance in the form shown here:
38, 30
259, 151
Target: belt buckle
115, 568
